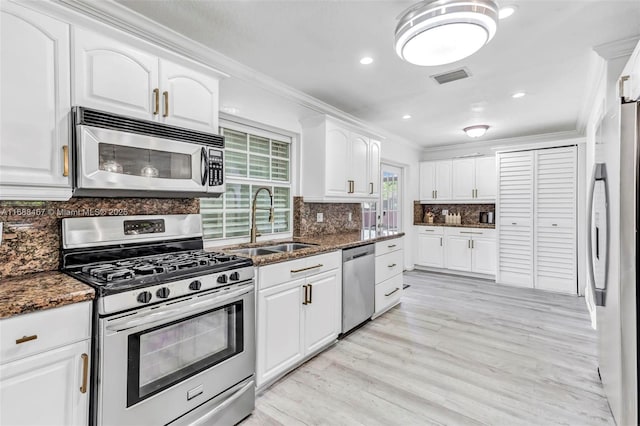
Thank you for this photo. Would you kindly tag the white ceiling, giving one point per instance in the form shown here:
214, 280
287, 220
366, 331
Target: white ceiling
544, 49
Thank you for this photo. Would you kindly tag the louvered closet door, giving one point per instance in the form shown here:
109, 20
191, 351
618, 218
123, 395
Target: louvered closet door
515, 219
555, 216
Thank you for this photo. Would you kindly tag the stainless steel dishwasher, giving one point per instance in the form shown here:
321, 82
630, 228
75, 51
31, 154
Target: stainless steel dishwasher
358, 285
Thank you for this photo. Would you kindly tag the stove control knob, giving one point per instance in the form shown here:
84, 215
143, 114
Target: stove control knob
222, 279
195, 285
163, 292
234, 276
144, 297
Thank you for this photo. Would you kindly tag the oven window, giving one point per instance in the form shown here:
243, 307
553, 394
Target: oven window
165, 355
144, 162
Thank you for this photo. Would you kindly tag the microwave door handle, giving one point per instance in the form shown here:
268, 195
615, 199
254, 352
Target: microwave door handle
204, 166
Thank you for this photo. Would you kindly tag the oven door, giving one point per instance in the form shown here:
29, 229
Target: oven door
162, 362
126, 162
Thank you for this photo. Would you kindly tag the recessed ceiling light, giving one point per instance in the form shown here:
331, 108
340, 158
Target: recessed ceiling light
406, 117
230, 110
506, 11
366, 60
518, 95
476, 131
440, 32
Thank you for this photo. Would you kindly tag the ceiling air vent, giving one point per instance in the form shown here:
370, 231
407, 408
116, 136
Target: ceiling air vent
450, 76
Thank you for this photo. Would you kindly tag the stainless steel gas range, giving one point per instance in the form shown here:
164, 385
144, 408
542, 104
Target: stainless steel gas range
174, 337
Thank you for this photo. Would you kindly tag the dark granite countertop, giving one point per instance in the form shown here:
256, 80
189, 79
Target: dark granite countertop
321, 244
464, 225
39, 291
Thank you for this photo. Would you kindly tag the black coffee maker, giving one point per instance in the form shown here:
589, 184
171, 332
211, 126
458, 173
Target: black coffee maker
486, 217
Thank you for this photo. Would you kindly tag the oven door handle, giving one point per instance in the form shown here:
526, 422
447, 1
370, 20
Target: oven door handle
195, 308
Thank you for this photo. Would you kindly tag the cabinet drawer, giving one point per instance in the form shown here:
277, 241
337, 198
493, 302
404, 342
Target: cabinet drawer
388, 292
52, 328
471, 232
388, 265
388, 246
270, 275
431, 230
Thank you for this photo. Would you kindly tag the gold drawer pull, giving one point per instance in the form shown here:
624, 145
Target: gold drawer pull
25, 339
85, 372
389, 294
65, 165
295, 271
393, 265
391, 246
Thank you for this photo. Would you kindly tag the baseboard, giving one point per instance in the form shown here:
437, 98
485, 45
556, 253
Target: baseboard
454, 272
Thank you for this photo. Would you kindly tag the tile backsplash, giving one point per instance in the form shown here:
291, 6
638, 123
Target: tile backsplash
32, 229
470, 212
335, 218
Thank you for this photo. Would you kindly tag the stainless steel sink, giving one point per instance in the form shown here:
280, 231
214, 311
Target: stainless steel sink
255, 251
290, 247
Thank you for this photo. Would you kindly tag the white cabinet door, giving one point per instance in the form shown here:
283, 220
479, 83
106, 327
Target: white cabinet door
35, 104
430, 250
337, 162
427, 181
323, 312
463, 179
443, 180
280, 329
374, 168
483, 256
113, 76
359, 168
485, 178
514, 210
555, 220
189, 98
44, 389
458, 253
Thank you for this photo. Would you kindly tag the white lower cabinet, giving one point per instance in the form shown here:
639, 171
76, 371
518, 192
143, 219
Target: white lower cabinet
457, 249
46, 381
389, 264
299, 316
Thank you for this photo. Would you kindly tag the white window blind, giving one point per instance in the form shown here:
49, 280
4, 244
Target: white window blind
251, 161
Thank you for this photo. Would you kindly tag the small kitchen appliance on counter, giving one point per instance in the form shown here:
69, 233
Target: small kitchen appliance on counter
486, 217
174, 338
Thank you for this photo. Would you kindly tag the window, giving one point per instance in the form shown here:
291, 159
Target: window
253, 159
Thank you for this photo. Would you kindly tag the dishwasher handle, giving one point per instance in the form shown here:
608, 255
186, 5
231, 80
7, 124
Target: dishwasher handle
357, 252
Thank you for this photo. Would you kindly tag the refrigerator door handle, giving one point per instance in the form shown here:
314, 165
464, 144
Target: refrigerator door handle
599, 174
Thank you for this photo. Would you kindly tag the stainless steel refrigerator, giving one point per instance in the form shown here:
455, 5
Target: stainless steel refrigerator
613, 266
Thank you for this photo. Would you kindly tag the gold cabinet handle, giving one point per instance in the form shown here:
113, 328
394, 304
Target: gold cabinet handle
468, 243
295, 271
165, 95
433, 194
65, 156
370, 187
25, 339
473, 244
310, 293
306, 300
85, 372
156, 96
389, 294
440, 241
436, 194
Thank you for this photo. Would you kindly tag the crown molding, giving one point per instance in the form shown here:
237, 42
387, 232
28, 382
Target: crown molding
617, 48
495, 144
595, 78
119, 16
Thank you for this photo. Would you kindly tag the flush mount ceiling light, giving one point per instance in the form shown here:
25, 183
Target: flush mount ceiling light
476, 131
443, 31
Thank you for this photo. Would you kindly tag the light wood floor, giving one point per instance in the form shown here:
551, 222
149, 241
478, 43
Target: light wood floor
457, 351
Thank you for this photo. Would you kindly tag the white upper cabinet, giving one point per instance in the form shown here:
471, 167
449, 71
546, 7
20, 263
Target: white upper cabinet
374, 168
113, 76
35, 105
435, 180
474, 179
631, 87
117, 77
190, 98
340, 164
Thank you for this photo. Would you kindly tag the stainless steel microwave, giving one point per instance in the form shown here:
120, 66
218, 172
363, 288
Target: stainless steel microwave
116, 156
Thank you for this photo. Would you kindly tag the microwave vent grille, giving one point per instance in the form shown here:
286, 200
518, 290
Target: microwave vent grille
107, 120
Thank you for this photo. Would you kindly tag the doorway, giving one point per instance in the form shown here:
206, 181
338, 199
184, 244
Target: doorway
391, 199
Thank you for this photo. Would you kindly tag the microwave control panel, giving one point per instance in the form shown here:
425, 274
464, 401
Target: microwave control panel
216, 177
